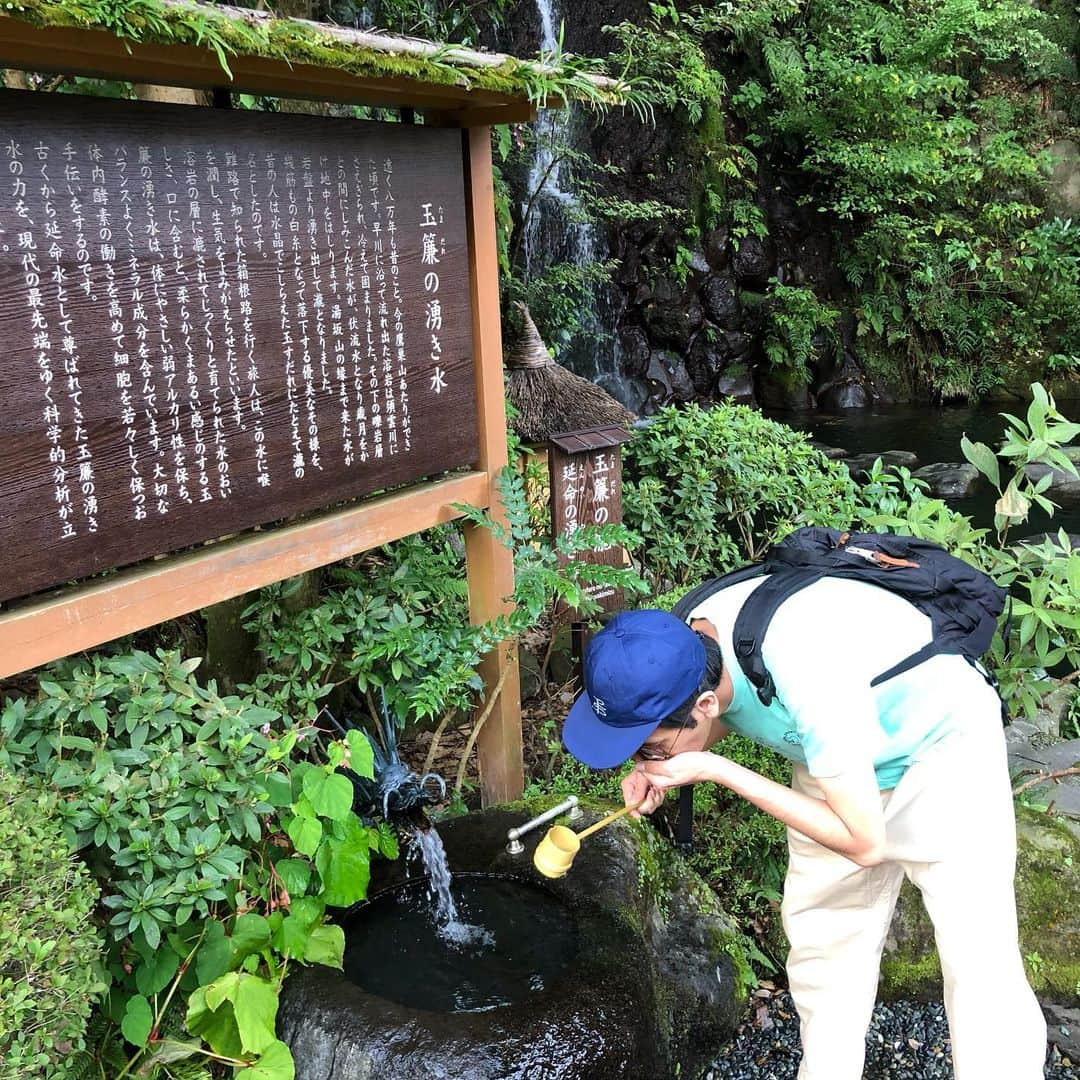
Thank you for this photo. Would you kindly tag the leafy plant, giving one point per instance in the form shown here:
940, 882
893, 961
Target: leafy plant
219, 849
50, 948
796, 316
1041, 629
709, 489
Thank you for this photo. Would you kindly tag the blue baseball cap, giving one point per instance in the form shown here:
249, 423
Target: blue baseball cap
638, 670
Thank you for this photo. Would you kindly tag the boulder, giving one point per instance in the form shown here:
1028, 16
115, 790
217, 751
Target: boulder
667, 377
783, 390
863, 463
1065, 178
949, 480
722, 302
833, 453
634, 346
656, 988
716, 249
736, 382
703, 363
674, 322
1048, 905
843, 394
753, 262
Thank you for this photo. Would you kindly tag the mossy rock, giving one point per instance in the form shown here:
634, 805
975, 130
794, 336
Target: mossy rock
658, 984
1048, 905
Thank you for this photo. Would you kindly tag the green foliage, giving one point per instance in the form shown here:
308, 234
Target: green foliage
795, 318
922, 130
437, 20
49, 947
218, 849
164, 782
561, 75
1043, 578
709, 489
397, 620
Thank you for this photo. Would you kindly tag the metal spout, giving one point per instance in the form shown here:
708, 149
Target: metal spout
516, 847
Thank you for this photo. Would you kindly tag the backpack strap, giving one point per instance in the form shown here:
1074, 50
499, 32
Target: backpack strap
931, 648
700, 593
752, 623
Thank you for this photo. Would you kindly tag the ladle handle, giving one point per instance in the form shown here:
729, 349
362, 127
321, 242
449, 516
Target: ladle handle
609, 819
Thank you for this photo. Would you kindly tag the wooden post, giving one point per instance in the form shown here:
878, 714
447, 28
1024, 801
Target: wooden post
490, 565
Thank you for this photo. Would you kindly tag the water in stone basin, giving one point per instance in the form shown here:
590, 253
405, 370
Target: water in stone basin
397, 947
429, 846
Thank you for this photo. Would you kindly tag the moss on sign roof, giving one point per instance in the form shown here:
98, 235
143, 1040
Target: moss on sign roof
231, 31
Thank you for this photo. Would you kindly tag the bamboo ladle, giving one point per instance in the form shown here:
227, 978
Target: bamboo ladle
554, 854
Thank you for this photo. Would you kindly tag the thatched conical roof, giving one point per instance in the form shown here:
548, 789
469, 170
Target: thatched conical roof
549, 399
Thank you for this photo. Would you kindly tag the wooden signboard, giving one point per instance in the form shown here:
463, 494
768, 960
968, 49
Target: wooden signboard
214, 320
586, 489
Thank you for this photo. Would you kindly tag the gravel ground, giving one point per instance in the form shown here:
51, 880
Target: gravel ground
906, 1041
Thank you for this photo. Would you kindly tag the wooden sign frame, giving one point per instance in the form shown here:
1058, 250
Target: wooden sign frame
45, 628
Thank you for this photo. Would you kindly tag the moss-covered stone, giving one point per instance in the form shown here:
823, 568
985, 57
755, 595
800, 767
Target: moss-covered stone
689, 961
1048, 909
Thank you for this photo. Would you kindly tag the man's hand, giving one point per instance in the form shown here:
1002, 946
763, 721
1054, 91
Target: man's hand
636, 786
688, 768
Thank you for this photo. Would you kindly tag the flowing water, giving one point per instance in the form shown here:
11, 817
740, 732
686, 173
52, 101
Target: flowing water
428, 845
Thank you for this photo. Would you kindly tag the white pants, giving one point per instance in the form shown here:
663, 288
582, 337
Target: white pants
950, 827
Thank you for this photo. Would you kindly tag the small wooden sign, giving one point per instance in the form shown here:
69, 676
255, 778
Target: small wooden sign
585, 468
218, 319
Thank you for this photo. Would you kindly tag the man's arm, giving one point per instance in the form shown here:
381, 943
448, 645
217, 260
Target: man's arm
848, 821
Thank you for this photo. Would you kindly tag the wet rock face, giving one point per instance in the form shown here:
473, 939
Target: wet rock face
652, 992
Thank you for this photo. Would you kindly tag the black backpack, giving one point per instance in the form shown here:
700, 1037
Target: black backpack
963, 604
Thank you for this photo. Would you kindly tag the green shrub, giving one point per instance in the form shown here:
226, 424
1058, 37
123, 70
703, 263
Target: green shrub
217, 849
49, 947
709, 489
1043, 578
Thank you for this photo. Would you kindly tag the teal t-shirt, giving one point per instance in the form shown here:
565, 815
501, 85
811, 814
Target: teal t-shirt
823, 647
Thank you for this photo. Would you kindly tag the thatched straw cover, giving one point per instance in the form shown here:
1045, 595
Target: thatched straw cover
549, 399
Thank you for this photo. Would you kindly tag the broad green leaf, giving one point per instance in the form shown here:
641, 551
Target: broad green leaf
305, 833
326, 945
215, 952
295, 875
155, 972
308, 910
278, 789
291, 937
983, 458
344, 866
255, 1003
276, 1063
251, 934
331, 793
138, 1021
361, 755
217, 1027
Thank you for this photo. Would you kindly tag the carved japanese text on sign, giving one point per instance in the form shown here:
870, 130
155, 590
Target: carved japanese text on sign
586, 489
214, 319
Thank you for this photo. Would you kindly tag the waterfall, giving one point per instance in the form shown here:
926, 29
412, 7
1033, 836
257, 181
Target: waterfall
557, 232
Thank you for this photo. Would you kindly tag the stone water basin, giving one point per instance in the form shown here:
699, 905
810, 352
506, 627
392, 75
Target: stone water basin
623, 969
